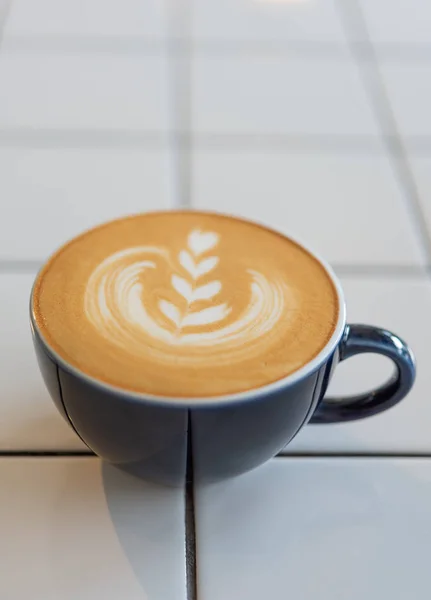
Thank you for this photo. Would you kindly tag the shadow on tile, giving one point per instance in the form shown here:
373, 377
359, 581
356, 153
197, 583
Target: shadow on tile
36, 431
311, 441
149, 522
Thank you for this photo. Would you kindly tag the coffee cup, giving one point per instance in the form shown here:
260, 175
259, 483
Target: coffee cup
187, 344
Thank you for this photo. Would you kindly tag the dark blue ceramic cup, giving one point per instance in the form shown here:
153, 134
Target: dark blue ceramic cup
168, 440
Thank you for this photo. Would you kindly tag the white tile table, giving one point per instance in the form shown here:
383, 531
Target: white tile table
271, 21
83, 90
325, 199
405, 22
307, 529
263, 108
279, 94
74, 528
87, 18
409, 94
51, 194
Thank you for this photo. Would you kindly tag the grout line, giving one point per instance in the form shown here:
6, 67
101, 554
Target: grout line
190, 513
364, 145
19, 267
405, 52
184, 140
418, 145
46, 453
179, 65
190, 520
136, 44
269, 47
28, 44
31, 267
353, 455
390, 271
80, 138
286, 142
380, 102
190, 111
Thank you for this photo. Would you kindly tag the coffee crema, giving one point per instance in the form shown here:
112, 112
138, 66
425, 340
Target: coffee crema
185, 304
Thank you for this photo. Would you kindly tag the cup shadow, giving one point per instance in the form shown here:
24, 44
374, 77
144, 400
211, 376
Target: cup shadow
44, 432
146, 518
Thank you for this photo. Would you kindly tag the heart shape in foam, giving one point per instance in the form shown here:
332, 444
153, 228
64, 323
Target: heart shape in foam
200, 242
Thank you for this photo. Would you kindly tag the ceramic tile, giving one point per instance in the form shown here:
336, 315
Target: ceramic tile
87, 17
279, 94
28, 417
403, 306
78, 91
325, 200
51, 194
409, 93
269, 20
73, 528
310, 529
421, 169
401, 22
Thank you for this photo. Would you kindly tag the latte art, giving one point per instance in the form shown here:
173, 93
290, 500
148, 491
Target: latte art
184, 304
118, 304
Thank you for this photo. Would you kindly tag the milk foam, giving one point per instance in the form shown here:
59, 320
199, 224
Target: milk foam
184, 304
117, 304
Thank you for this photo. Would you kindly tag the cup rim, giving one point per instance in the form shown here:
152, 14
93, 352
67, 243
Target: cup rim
206, 401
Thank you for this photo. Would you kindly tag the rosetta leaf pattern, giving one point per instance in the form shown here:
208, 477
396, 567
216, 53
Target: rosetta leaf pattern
188, 285
170, 311
183, 287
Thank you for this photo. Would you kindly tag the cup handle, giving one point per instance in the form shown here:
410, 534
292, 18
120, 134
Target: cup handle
358, 339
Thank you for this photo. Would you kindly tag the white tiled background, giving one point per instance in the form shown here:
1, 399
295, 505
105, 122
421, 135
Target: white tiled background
310, 115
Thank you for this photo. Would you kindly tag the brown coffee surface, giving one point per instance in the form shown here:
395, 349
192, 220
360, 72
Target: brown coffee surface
185, 304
